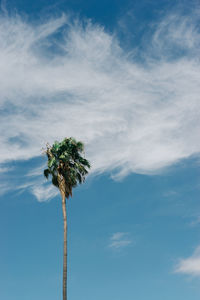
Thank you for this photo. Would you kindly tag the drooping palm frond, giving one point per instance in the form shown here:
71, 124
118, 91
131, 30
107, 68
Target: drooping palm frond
46, 173
65, 161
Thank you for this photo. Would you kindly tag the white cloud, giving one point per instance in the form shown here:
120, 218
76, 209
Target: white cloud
195, 221
170, 193
4, 188
119, 240
37, 171
4, 169
132, 117
35, 183
44, 192
190, 265
178, 33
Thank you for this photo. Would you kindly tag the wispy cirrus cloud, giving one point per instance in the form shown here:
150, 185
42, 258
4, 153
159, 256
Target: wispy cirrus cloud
66, 78
178, 35
44, 192
119, 240
190, 265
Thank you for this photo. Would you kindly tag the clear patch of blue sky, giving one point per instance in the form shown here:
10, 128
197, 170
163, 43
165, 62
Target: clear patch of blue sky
107, 13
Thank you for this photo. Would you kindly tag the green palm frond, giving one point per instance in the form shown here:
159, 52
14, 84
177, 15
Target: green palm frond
55, 181
46, 173
65, 160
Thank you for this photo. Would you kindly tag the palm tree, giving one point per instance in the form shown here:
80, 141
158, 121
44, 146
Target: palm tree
67, 168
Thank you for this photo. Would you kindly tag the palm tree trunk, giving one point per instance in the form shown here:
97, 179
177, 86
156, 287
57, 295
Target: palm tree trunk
64, 248
62, 188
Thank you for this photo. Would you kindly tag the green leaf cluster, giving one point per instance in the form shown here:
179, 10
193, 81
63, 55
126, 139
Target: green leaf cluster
66, 161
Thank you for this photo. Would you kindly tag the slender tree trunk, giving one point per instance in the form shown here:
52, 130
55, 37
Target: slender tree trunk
62, 188
64, 248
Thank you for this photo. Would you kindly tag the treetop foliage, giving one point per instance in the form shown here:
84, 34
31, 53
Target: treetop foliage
67, 164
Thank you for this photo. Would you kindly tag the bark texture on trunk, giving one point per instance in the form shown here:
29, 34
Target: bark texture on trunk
62, 188
64, 249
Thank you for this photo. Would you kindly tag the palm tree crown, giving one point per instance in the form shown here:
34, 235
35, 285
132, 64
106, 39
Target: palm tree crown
66, 165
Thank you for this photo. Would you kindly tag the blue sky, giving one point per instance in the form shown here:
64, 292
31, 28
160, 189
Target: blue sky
123, 77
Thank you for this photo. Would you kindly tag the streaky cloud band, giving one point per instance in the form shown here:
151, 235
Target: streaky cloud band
64, 77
